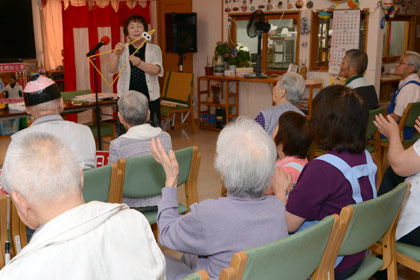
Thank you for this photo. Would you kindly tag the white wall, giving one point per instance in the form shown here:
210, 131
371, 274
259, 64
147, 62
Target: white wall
255, 96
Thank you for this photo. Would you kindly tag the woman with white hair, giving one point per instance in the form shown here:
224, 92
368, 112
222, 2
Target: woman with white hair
215, 229
286, 93
133, 114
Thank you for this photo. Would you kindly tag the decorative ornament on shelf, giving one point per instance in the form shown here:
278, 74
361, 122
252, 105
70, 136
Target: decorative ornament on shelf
353, 4
389, 7
309, 4
324, 15
299, 4
304, 26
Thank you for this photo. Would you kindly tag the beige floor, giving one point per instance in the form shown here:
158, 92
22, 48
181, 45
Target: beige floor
209, 183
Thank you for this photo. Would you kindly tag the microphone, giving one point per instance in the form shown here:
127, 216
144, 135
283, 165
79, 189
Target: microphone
104, 41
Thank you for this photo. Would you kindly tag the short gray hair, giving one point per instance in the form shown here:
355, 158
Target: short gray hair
294, 85
246, 158
358, 59
413, 59
53, 105
133, 107
42, 168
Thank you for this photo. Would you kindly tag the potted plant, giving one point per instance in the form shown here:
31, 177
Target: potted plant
221, 55
239, 57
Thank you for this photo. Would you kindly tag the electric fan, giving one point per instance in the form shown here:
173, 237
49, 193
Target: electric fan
256, 26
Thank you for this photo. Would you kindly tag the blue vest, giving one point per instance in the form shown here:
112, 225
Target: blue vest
408, 131
352, 174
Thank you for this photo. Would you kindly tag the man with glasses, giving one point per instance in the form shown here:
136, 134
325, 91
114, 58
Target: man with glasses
408, 66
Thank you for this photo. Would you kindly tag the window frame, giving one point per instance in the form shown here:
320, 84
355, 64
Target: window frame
314, 50
410, 35
232, 35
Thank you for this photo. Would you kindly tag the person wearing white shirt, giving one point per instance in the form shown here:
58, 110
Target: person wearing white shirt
44, 103
142, 72
73, 239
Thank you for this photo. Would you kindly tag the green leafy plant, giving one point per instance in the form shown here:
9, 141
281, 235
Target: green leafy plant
222, 49
238, 57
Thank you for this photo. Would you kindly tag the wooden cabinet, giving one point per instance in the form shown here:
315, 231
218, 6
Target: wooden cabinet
226, 107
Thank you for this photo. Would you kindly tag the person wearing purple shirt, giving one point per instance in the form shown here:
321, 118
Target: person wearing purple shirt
286, 93
215, 229
345, 175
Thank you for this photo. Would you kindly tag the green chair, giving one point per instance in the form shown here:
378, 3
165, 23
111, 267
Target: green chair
103, 184
374, 139
3, 227
144, 177
409, 256
296, 257
198, 275
408, 119
367, 222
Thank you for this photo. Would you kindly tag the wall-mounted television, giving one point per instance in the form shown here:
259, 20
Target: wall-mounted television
16, 31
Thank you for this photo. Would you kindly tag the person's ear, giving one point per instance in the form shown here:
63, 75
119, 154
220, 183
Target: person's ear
148, 115
282, 93
22, 205
61, 105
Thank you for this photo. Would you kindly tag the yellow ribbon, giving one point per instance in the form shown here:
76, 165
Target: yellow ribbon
100, 73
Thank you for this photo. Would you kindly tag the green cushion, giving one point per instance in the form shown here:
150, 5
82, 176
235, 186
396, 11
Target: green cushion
152, 215
106, 130
368, 267
96, 183
68, 95
409, 250
192, 276
294, 257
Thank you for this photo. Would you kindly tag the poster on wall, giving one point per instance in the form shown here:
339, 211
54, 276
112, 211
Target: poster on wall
346, 36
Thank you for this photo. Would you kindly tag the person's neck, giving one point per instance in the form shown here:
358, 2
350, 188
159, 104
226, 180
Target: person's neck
282, 101
44, 113
352, 78
137, 44
403, 77
57, 208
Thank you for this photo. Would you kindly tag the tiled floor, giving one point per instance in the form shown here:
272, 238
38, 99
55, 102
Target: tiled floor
209, 183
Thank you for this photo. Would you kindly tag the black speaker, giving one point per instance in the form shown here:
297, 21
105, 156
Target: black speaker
181, 32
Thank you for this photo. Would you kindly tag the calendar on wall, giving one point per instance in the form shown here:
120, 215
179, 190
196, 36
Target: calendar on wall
346, 36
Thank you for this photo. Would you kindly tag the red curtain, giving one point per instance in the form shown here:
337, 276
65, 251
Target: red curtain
82, 17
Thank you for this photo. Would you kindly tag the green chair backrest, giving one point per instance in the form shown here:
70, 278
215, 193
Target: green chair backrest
413, 114
371, 219
192, 276
371, 129
96, 183
144, 177
178, 87
294, 257
67, 95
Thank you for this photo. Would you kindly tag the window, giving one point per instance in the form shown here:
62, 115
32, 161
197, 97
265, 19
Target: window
279, 47
321, 34
398, 37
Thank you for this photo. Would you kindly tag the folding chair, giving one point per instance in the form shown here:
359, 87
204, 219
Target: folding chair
177, 97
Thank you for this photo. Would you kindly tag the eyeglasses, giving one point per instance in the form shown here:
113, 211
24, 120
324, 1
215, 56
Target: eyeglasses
399, 61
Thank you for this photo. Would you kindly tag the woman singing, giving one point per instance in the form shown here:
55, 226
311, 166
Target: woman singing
142, 73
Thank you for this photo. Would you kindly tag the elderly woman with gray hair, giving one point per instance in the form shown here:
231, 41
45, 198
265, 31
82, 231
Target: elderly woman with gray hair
215, 229
134, 113
286, 93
